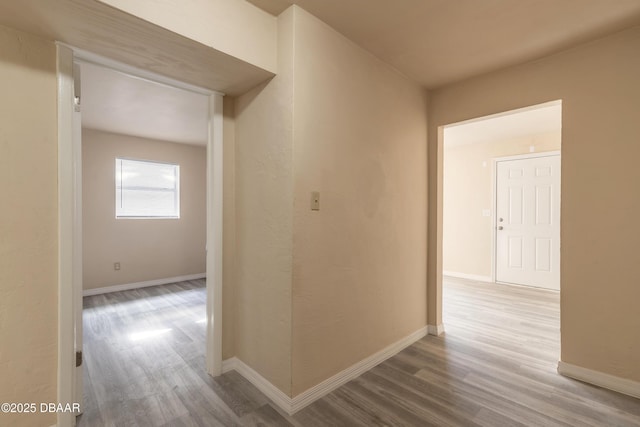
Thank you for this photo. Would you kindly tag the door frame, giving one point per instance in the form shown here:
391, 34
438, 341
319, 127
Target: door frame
436, 211
494, 199
70, 214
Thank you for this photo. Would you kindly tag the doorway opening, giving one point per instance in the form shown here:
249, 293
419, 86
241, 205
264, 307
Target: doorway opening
501, 226
174, 113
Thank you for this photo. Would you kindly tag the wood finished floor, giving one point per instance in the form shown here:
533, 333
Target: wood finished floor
495, 366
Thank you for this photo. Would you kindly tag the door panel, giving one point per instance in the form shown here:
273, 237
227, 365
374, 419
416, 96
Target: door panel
515, 205
543, 205
515, 252
543, 255
528, 221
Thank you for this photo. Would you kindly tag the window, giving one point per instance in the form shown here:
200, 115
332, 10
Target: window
147, 189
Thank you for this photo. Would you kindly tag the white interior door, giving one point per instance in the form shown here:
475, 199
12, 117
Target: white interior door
528, 221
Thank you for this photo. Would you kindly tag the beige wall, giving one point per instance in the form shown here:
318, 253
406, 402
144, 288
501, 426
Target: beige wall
264, 200
28, 225
598, 85
147, 249
359, 268
236, 28
468, 190
318, 291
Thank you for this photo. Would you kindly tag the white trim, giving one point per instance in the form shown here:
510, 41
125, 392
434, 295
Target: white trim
517, 285
67, 193
276, 395
435, 330
295, 404
215, 155
327, 386
214, 196
600, 379
526, 156
69, 185
78, 389
506, 113
139, 73
230, 364
138, 285
494, 220
440, 176
475, 277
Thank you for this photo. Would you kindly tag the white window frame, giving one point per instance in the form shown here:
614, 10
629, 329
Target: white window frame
176, 190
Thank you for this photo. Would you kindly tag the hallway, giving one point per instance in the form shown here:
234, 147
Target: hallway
496, 365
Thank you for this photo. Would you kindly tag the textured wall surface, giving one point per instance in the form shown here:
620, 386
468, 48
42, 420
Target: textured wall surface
146, 249
338, 121
28, 225
598, 85
214, 23
359, 263
264, 200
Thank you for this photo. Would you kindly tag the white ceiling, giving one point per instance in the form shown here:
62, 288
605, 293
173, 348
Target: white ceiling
520, 123
119, 103
435, 42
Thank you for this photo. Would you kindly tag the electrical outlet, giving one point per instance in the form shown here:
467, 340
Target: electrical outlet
116, 266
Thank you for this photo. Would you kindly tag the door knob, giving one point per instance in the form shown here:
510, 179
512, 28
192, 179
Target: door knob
500, 219
500, 227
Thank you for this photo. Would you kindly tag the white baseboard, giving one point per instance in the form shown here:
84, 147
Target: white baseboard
475, 277
276, 395
327, 386
621, 385
436, 330
293, 405
137, 285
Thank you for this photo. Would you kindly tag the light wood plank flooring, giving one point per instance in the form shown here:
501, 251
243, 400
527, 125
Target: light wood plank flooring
496, 366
